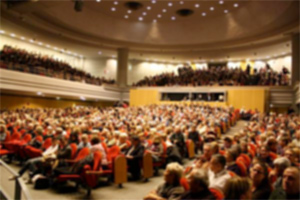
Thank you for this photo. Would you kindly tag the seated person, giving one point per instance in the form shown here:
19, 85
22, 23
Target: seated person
134, 155
217, 173
261, 188
280, 164
228, 142
198, 182
84, 142
3, 133
171, 188
156, 149
238, 188
264, 155
231, 156
177, 139
35, 165
290, 185
97, 146
290, 154
123, 142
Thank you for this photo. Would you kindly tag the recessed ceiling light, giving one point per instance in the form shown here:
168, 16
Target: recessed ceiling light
203, 14
225, 11
197, 5
181, 2
129, 11
22, 38
141, 18
39, 93
212, 8
164, 10
126, 16
153, 1
99, 52
159, 15
116, 3
40, 43
173, 18
236, 5
55, 48
12, 35
170, 4
148, 7
144, 13
154, 21
98, 0
221, 2
1, 31
31, 41
48, 46
57, 98
113, 9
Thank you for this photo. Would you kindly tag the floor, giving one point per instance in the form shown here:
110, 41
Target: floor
130, 190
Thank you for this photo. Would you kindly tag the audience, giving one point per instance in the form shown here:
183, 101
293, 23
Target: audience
220, 75
24, 61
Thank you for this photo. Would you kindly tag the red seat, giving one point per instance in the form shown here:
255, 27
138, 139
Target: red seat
90, 178
47, 143
242, 168
113, 152
184, 183
217, 193
231, 173
247, 159
273, 155
84, 152
74, 150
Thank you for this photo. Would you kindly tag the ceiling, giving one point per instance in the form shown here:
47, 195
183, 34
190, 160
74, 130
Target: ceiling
228, 29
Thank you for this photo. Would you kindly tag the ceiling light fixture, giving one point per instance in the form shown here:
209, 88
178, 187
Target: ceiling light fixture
212, 8
173, 18
154, 21
22, 38
149, 8
236, 5
98, 1
197, 5
164, 10
141, 18
48, 46
2, 32
12, 35
31, 41
170, 4
181, 2
153, 1
221, 2
40, 43
39, 93
57, 98
159, 15
99, 52
129, 11
225, 11
113, 9
144, 13
126, 16
116, 3
204, 14
55, 48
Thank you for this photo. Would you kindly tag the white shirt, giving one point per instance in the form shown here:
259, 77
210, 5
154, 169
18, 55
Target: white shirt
99, 147
218, 180
50, 150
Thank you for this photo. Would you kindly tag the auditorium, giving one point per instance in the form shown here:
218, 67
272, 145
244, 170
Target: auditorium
149, 99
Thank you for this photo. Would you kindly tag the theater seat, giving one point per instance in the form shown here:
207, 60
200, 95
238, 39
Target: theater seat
242, 168
218, 194
74, 150
184, 183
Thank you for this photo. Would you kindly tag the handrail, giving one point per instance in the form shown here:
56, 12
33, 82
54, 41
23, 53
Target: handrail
19, 184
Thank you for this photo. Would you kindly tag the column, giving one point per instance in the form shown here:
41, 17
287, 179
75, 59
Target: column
295, 59
122, 67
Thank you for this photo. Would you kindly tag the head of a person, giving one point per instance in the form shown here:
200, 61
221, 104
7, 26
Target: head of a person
217, 163
291, 180
272, 144
214, 147
264, 152
290, 154
156, 140
123, 138
231, 155
95, 140
227, 142
259, 174
284, 141
238, 188
2, 128
198, 180
173, 174
135, 140
55, 141
207, 151
84, 138
280, 164
63, 141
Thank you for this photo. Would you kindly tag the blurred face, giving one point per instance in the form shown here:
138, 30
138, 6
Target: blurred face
228, 157
194, 186
257, 174
278, 170
84, 139
290, 182
214, 166
264, 153
289, 155
169, 177
227, 144
207, 151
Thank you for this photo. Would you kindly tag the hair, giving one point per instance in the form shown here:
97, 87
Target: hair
200, 177
265, 182
282, 162
95, 140
177, 170
236, 187
214, 146
220, 159
228, 139
233, 153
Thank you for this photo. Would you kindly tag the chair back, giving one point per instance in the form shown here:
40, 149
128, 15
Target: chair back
84, 152
74, 150
47, 143
97, 160
217, 193
26, 138
184, 183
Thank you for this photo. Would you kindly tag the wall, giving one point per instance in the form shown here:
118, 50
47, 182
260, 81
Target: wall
13, 102
247, 97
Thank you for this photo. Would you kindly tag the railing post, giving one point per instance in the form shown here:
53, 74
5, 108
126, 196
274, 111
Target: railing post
17, 190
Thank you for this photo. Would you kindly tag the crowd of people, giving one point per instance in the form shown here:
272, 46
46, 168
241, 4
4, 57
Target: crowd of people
218, 75
29, 62
259, 162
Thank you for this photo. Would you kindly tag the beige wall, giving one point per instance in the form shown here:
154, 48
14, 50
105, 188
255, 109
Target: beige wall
13, 102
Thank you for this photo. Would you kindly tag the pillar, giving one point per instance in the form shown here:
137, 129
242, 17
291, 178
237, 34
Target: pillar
122, 67
295, 59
